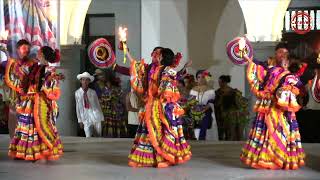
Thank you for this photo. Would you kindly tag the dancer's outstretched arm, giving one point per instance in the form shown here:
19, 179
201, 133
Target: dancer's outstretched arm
122, 69
183, 72
129, 56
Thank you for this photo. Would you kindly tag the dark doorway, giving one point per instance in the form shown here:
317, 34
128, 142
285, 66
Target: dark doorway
96, 26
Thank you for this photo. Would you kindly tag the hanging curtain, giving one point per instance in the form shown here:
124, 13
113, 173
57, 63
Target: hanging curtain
3, 40
33, 20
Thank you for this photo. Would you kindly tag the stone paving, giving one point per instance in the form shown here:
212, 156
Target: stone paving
101, 158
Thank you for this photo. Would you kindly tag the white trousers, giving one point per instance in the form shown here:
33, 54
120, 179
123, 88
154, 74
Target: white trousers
196, 133
91, 129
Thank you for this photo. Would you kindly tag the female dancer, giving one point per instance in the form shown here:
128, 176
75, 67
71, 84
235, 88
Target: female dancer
159, 141
203, 112
36, 135
274, 140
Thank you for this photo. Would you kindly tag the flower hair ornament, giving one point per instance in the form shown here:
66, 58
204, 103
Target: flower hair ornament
56, 54
207, 75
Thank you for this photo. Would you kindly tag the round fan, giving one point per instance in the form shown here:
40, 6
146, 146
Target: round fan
101, 53
235, 54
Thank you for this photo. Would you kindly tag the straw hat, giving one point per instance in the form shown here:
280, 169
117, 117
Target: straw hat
85, 75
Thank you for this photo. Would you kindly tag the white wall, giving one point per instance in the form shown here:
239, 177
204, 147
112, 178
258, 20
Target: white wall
173, 26
127, 13
150, 27
264, 18
231, 25
164, 23
211, 25
72, 14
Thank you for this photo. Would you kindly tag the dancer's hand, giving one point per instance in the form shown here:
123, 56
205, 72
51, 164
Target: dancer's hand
120, 46
245, 57
129, 55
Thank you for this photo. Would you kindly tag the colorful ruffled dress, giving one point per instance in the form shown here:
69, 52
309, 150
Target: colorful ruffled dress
159, 141
113, 112
36, 135
274, 140
205, 121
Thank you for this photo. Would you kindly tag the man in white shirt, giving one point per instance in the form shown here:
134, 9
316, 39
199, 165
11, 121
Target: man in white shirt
132, 104
89, 112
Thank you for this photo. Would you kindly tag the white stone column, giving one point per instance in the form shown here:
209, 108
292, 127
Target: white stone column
150, 27
264, 18
164, 23
72, 17
70, 67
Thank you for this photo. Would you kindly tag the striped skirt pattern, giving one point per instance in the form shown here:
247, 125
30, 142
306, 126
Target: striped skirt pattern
274, 142
27, 144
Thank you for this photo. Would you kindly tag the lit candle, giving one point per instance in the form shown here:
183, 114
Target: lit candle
123, 39
123, 34
242, 44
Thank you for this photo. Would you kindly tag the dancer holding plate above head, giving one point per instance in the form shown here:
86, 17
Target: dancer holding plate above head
274, 140
159, 141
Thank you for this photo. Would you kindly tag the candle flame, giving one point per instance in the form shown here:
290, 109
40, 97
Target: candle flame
242, 44
123, 33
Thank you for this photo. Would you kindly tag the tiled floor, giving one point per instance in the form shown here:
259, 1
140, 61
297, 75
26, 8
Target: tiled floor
95, 158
